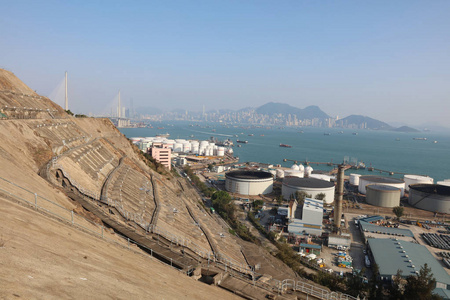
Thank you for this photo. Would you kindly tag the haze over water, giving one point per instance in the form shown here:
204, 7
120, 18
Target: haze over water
379, 148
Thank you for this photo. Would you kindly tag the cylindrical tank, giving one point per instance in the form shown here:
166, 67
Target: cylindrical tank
178, 147
220, 151
320, 176
293, 173
301, 168
445, 182
280, 173
273, 172
308, 171
415, 179
383, 195
230, 151
294, 167
186, 147
379, 180
354, 179
431, 197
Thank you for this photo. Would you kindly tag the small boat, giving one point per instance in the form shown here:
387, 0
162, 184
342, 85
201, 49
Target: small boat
397, 139
435, 142
355, 133
242, 142
326, 133
420, 139
285, 146
341, 132
163, 135
251, 134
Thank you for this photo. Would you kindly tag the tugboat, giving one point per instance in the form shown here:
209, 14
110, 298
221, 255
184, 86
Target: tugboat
285, 146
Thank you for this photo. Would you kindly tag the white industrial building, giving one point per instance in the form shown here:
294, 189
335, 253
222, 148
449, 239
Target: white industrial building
311, 186
249, 182
307, 219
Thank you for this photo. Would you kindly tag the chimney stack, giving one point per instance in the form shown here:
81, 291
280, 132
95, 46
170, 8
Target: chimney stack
338, 197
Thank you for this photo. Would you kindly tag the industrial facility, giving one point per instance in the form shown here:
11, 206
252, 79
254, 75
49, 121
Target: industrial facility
394, 254
311, 186
195, 147
383, 195
307, 218
416, 179
379, 180
431, 197
249, 182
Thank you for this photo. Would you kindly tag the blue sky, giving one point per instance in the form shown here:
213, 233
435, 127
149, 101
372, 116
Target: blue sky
389, 60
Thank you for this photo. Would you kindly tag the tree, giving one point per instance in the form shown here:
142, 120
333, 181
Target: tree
398, 211
420, 286
320, 196
280, 199
258, 204
300, 196
397, 287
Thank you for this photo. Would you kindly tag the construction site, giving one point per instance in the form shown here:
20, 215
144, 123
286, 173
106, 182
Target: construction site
84, 216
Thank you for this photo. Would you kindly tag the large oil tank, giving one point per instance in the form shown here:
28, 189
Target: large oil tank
321, 177
178, 147
280, 173
431, 197
354, 179
293, 173
380, 180
220, 151
383, 195
415, 179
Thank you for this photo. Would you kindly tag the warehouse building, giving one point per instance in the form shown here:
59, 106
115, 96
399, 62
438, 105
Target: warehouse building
392, 254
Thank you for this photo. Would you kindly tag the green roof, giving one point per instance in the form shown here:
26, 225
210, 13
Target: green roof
392, 255
2, 115
368, 227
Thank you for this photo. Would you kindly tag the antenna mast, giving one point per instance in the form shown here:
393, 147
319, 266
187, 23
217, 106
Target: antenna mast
67, 99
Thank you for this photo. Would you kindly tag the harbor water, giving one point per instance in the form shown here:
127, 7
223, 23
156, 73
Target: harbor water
385, 150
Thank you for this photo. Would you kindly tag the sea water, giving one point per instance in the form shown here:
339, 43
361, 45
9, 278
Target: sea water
385, 150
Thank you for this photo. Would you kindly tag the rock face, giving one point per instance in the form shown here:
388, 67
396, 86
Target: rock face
44, 253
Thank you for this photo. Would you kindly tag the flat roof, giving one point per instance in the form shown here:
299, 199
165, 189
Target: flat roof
381, 179
436, 189
368, 227
307, 182
371, 219
392, 255
313, 205
384, 188
240, 174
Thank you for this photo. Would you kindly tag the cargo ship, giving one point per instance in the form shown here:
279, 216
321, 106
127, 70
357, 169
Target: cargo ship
285, 146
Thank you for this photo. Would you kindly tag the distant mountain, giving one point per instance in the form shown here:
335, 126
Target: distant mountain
405, 129
147, 110
310, 112
370, 123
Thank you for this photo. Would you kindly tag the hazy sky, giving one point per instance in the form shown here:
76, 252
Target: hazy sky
389, 60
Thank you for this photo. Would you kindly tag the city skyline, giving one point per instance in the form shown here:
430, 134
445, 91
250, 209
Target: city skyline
385, 60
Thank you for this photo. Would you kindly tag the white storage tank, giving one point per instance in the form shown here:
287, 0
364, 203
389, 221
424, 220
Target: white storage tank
416, 179
220, 151
249, 182
294, 167
445, 182
308, 171
311, 186
280, 173
354, 179
320, 176
379, 180
178, 147
187, 147
301, 168
230, 150
293, 173
383, 195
